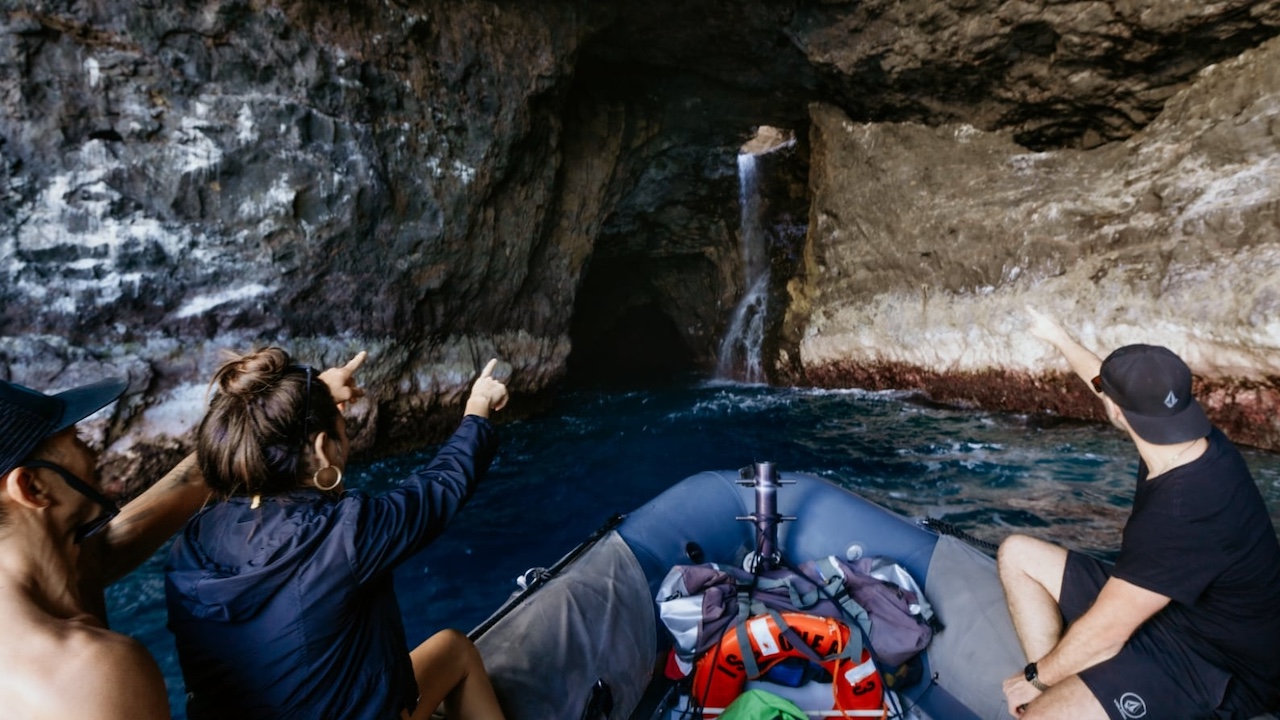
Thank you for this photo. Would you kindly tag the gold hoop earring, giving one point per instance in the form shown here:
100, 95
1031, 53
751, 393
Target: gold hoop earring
315, 479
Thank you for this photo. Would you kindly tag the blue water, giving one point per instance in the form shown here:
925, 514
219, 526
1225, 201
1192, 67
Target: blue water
561, 475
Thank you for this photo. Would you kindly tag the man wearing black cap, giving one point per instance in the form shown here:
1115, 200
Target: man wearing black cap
61, 542
1186, 624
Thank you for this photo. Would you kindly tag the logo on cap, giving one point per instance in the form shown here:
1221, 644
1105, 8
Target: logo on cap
1170, 400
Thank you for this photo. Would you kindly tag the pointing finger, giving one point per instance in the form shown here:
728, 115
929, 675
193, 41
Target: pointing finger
355, 362
488, 369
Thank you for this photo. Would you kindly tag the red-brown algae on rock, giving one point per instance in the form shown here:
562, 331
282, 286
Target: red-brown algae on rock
1248, 412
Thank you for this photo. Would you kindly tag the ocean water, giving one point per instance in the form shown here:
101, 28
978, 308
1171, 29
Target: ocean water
561, 475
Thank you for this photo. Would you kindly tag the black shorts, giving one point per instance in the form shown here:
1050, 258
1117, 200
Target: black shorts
1155, 675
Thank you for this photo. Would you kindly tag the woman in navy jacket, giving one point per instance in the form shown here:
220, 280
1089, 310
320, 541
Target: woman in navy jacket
280, 597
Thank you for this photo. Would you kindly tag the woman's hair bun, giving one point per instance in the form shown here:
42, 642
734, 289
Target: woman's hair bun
253, 373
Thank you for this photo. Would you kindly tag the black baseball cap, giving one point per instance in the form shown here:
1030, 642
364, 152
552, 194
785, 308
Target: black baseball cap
1152, 386
29, 416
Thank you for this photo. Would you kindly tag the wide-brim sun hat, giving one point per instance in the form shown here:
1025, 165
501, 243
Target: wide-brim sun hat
29, 416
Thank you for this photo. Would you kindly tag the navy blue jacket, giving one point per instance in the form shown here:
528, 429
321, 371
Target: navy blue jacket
287, 610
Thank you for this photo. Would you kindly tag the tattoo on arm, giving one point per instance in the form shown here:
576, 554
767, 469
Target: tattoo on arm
146, 522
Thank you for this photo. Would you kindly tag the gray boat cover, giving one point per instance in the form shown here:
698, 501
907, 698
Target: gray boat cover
593, 621
973, 656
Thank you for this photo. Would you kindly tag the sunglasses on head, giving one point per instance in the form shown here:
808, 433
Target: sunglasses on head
110, 509
306, 404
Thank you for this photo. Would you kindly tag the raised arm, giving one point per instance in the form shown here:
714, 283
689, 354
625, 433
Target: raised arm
398, 523
1083, 361
145, 523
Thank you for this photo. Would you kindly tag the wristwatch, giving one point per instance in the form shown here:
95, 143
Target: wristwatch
1033, 676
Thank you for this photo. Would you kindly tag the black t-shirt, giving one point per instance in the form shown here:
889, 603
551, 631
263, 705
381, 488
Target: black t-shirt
1201, 535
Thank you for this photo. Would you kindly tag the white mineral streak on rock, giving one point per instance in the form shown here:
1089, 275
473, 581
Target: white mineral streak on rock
246, 129
278, 199
464, 172
192, 150
203, 303
93, 71
172, 414
74, 211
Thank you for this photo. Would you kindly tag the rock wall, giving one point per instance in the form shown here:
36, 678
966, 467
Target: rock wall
926, 243
179, 178
1054, 74
443, 182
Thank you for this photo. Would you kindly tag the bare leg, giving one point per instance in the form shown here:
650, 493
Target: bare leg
1031, 572
1067, 700
449, 670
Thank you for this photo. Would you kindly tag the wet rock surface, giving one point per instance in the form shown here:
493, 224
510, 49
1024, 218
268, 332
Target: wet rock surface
926, 243
180, 179
440, 183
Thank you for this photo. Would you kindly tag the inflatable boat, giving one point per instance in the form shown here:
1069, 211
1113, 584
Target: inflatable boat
584, 640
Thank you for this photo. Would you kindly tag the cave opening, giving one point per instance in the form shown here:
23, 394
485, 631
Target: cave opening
640, 320
641, 347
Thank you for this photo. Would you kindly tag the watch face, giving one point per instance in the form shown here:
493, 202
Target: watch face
1029, 672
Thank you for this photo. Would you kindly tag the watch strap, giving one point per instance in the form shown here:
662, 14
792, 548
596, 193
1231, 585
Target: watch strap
1032, 674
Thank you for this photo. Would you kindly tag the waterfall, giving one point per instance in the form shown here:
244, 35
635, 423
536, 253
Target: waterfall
740, 349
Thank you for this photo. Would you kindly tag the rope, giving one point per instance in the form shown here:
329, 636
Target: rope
543, 577
942, 527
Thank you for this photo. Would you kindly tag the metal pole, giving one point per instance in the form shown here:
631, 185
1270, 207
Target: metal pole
766, 518
763, 477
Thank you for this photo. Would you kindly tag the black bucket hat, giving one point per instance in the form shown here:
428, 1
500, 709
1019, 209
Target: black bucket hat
28, 416
1152, 386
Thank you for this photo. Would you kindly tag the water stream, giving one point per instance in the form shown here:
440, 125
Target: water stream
740, 349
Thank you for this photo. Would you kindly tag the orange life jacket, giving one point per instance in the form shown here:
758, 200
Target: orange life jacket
721, 674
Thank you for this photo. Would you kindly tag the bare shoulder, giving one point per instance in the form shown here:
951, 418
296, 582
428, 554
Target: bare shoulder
109, 676
58, 668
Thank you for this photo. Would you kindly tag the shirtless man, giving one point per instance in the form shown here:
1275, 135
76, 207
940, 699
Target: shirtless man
61, 543
1184, 624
